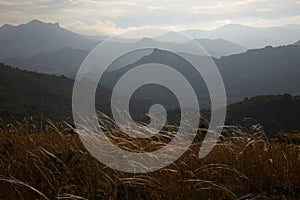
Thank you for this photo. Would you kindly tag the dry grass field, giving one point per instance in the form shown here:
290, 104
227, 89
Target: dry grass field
53, 164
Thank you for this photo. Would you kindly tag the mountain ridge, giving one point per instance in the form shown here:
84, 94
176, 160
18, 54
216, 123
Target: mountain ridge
36, 36
250, 37
244, 74
215, 48
64, 61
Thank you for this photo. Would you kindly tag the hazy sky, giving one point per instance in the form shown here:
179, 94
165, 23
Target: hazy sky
111, 16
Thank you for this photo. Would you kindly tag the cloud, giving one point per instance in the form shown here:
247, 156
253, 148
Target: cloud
94, 26
226, 7
114, 16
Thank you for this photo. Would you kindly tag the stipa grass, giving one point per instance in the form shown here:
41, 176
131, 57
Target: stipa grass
53, 164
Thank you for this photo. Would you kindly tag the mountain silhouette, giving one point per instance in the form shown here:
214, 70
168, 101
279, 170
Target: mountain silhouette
220, 47
255, 72
270, 70
215, 47
65, 61
261, 71
250, 37
36, 36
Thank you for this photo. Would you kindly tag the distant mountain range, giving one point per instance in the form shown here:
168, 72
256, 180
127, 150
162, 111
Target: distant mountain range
48, 48
251, 37
261, 71
219, 47
255, 72
36, 36
65, 61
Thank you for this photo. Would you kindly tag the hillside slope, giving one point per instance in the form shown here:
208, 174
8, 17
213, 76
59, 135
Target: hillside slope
29, 94
274, 112
255, 72
261, 71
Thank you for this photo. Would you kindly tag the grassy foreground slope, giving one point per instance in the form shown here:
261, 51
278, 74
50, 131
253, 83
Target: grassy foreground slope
55, 165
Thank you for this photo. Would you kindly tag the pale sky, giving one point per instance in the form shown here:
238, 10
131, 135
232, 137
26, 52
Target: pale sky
113, 17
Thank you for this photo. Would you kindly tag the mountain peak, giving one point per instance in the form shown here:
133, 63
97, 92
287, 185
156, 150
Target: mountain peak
6, 26
32, 23
145, 39
234, 26
36, 22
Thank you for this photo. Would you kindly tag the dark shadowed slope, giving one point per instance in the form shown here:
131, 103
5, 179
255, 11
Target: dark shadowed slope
275, 113
255, 72
29, 94
262, 71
